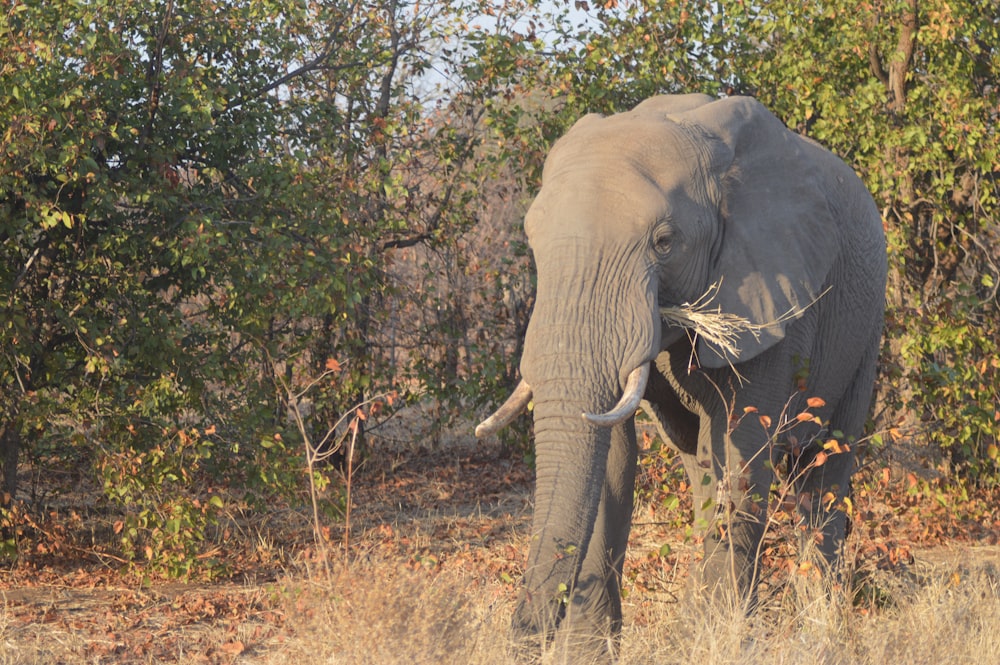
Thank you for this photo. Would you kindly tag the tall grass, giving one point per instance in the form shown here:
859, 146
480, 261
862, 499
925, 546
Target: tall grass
378, 614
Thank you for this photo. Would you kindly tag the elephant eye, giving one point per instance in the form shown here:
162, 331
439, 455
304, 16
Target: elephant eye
662, 240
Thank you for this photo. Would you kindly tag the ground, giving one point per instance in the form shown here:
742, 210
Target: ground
450, 507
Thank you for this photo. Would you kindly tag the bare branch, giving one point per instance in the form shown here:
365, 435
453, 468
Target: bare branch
317, 62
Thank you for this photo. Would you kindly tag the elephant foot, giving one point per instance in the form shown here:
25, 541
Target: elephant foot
566, 645
729, 575
575, 633
584, 647
532, 628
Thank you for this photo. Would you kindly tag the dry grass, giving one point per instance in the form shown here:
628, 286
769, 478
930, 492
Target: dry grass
379, 614
439, 538
383, 612
723, 329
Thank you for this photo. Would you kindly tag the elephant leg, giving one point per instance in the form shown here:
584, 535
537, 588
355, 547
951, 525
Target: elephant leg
823, 488
738, 510
723, 519
595, 611
729, 483
821, 491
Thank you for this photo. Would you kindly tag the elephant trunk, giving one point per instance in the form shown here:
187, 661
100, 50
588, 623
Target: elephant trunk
570, 462
578, 395
593, 325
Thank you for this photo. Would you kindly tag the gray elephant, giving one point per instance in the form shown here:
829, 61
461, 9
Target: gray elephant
684, 200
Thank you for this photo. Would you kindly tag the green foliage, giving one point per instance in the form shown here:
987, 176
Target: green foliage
166, 520
202, 203
960, 392
197, 200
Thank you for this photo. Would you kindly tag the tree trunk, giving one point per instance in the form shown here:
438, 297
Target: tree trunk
10, 444
891, 70
900, 61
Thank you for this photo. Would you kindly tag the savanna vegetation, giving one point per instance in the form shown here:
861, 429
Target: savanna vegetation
243, 242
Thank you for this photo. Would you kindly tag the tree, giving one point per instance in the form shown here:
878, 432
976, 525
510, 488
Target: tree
202, 204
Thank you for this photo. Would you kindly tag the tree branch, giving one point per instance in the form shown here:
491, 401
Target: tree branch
902, 59
875, 61
154, 72
335, 38
893, 79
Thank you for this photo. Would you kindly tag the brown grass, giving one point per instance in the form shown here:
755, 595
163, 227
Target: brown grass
380, 614
436, 550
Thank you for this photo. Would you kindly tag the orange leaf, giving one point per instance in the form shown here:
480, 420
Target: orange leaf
820, 459
804, 416
815, 402
332, 365
765, 421
233, 648
750, 409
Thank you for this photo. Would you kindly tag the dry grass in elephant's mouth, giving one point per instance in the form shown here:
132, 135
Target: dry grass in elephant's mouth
716, 326
722, 329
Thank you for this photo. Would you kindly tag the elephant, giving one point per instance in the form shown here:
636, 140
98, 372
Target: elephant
689, 203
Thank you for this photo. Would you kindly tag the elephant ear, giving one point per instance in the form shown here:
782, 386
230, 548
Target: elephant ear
779, 235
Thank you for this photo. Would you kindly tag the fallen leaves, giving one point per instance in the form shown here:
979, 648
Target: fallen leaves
432, 511
196, 625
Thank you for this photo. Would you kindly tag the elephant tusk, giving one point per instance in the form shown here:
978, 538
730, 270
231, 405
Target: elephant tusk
511, 409
626, 407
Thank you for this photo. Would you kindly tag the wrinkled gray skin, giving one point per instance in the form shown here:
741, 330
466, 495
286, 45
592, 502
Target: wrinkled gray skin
650, 208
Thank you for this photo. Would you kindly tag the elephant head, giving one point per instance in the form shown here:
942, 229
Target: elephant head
639, 211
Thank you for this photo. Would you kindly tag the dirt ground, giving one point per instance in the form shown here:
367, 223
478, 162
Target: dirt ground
435, 502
